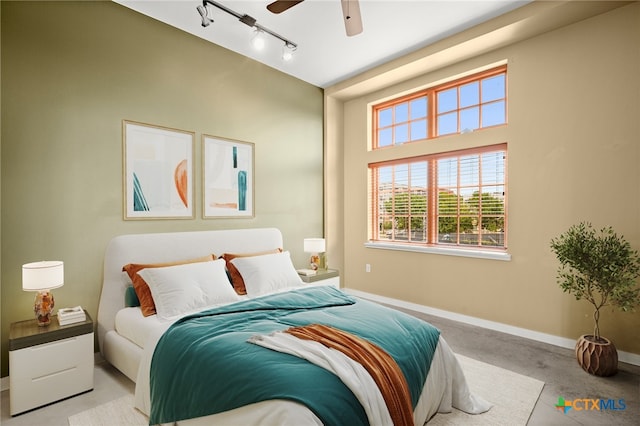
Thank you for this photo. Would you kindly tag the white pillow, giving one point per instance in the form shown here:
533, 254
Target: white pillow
182, 289
269, 273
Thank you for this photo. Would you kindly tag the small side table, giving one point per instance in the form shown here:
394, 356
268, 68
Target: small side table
328, 277
47, 364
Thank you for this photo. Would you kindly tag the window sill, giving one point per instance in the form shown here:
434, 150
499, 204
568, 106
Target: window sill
447, 251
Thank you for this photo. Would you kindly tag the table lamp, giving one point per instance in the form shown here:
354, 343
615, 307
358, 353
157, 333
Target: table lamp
317, 247
42, 277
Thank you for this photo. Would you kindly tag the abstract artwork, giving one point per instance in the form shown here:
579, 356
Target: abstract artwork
158, 172
227, 177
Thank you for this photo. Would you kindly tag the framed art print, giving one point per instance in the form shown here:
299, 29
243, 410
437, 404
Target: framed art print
158, 172
227, 178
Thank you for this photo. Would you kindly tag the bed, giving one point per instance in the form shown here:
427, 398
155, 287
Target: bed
276, 302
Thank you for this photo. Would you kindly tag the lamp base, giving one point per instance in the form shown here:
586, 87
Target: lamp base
318, 262
43, 307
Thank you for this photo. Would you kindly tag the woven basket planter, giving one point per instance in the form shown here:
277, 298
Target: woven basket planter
597, 358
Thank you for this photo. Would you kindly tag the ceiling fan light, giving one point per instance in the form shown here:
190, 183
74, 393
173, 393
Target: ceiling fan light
287, 51
258, 40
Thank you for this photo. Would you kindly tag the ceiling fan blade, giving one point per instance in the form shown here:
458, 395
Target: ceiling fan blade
280, 6
352, 18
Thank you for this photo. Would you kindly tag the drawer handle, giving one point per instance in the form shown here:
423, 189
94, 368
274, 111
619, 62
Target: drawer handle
50, 344
46, 376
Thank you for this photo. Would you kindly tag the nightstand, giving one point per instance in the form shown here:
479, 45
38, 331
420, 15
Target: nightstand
328, 277
47, 364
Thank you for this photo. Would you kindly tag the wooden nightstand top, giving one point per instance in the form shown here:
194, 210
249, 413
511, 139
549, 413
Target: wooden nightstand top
320, 275
24, 334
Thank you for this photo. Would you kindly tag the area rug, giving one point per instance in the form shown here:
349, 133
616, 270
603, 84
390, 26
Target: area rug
513, 395
115, 413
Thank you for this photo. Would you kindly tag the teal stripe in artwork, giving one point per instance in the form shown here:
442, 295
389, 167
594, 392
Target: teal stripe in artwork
242, 190
139, 201
235, 157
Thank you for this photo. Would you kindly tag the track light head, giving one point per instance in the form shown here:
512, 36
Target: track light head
258, 40
202, 10
287, 51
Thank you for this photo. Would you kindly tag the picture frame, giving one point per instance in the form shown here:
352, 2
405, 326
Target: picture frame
227, 178
158, 172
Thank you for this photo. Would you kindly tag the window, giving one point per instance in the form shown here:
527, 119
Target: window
447, 201
475, 102
450, 199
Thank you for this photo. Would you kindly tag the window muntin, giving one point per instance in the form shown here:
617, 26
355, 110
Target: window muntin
402, 122
451, 199
465, 105
471, 106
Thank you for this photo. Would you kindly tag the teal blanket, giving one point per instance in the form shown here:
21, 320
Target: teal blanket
204, 365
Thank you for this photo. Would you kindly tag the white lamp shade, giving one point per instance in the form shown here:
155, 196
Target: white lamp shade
45, 275
314, 245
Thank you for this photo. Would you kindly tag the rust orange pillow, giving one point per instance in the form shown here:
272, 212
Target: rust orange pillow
143, 292
236, 278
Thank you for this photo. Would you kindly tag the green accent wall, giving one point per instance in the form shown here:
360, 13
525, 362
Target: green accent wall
71, 72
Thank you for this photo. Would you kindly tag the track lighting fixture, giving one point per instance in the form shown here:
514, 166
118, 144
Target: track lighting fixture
258, 40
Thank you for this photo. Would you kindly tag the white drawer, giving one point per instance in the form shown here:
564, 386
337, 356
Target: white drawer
49, 372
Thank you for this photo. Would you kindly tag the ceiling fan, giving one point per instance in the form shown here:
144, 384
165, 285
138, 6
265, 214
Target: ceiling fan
350, 11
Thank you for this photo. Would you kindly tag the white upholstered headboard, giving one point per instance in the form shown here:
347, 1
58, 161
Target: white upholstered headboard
165, 247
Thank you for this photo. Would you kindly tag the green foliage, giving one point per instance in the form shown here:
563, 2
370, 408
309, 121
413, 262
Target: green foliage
598, 266
448, 203
402, 205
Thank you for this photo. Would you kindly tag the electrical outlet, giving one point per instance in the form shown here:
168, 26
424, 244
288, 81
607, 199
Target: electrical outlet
367, 268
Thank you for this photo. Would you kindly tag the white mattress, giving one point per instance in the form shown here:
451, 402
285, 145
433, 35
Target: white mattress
131, 324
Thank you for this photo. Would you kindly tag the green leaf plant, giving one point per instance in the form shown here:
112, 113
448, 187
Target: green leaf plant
599, 266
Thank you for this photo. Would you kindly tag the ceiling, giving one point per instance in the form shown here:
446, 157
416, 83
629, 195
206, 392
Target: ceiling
325, 55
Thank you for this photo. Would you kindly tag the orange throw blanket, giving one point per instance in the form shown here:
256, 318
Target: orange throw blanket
380, 365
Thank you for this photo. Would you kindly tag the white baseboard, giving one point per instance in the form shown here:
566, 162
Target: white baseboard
563, 342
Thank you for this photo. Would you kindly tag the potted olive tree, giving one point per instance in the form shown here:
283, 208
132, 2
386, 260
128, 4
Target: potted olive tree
601, 267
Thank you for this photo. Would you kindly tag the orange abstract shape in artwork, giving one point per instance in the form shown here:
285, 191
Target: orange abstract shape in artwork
180, 177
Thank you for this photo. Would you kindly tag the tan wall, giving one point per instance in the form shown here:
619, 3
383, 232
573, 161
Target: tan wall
573, 154
71, 72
